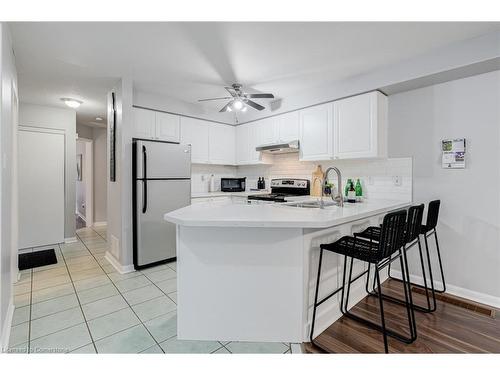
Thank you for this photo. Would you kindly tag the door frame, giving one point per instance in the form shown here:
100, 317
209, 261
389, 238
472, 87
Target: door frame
88, 172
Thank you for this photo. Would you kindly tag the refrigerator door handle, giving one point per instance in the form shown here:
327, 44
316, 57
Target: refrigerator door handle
144, 181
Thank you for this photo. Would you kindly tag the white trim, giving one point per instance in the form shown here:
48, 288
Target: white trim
4, 343
483, 298
100, 223
70, 240
81, 216
114, 262
296, 348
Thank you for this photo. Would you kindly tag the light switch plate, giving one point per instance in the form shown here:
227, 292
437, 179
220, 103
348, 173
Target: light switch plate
397, 180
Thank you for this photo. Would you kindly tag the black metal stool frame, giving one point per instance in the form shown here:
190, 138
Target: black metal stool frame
396, 241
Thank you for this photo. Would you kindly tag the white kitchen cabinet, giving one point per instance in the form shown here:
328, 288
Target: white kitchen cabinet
195, 132
167, 127
360, 126
222, 144
267, 132
161, 126
287, 126
248, 137
315, 132
144, 123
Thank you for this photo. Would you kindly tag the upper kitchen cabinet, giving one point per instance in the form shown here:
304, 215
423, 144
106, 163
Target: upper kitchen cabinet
161, 126
287, 126
167, 127
195, 132
144, 123
360, 126
222, 144
315, 133
267, 131
248, 137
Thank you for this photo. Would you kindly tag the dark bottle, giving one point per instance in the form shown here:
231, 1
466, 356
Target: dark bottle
259, 184
351, 193
263, 183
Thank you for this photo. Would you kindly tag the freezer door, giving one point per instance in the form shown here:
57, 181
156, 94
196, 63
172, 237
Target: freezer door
162, 160
155, 238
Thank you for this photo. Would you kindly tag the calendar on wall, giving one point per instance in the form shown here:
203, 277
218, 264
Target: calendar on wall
453, 153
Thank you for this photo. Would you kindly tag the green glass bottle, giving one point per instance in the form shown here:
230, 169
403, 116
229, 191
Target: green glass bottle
359, 191
347, 185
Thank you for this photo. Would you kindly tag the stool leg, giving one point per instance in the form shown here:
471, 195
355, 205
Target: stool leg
342, 310
424, 276
384, 332
346, 307
408, 295
440, 263
316, 294
431, 277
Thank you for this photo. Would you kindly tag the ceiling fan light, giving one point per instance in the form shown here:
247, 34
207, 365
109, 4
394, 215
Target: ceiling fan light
238, 104
244, 109
228, 109
72, 103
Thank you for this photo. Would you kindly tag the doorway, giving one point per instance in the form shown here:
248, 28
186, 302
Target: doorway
84, 210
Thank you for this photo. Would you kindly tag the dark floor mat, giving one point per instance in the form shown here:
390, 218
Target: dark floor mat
37, 259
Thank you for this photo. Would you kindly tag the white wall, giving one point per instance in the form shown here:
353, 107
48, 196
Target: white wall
99, 137
8, 181
469, 226
63, 119
80, 186
100, 174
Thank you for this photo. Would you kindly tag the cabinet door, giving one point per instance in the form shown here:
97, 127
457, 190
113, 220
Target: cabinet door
195, 133
242, 144
315, 136
355, 127
222, 148
144, 123
288, 126
267, 131
167, 127
254, 140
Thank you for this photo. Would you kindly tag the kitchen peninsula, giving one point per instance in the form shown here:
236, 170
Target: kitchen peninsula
247, 272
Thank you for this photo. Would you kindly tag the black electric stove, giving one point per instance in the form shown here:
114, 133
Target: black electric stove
283, 188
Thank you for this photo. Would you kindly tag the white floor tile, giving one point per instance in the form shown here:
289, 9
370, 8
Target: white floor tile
162, 275
153, 308
132, 283
56, 322
53, 306
87, 349
62, 341
168, 286
112, 323
21, 315
131, 340
257, 347
49, 293
163, 327
103, 306
222, 350
19, 334
142, 294
93, 282
153, 350
173, 345
94, 294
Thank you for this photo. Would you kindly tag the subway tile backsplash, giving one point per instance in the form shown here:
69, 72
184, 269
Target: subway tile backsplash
377, 175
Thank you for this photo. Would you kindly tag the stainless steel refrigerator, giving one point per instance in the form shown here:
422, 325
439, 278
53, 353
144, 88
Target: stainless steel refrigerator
161, 183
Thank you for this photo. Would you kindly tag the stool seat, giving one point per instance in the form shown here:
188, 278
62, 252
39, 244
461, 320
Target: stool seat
370, 233
424, 229
355, 247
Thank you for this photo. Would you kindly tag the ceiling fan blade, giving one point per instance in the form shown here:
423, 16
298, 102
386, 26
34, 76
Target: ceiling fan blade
254, 105
231, 91
260, 96
224, 109
206, 100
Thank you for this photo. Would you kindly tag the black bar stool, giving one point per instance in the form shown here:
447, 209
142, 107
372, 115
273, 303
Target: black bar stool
412, 233
392, 240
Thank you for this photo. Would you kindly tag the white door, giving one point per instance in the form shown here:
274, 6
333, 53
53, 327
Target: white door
316, 133
195, 133
41, 188
144, 123
167, 127
222, 144
355, 126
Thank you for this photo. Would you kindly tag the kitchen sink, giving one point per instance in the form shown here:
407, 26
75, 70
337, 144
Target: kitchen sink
315, 204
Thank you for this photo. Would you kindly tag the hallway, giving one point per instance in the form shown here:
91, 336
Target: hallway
82, 305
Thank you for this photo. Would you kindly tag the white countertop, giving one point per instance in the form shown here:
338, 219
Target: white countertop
228, 194
277, 215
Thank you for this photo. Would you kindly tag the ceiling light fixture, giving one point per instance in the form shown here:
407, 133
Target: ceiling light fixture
228, 109
72, 103
238, 104
98, 118
244, 109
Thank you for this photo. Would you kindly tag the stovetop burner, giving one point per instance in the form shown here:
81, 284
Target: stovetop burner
283, 188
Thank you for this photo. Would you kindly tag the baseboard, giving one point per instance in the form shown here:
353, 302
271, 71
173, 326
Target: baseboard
118, 267
4, 343
81, 216
70, 240
100, 223
483, 298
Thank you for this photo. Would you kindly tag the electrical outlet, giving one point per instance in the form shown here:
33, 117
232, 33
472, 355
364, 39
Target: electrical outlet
397, 180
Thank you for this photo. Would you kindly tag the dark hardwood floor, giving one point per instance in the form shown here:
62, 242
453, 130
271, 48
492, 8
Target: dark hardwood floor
451, 329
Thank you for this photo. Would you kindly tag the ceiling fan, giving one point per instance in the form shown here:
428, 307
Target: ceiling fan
239, 100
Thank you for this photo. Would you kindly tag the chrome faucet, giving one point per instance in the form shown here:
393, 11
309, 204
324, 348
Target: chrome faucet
339, 199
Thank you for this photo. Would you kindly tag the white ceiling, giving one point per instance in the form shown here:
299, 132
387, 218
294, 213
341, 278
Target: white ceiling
189, 61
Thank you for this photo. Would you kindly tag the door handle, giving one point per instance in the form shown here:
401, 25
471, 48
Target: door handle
144, 180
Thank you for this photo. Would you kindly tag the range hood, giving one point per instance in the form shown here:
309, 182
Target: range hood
279, 148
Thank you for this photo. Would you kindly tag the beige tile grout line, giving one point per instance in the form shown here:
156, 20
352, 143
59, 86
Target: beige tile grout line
141, 322
78, 298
